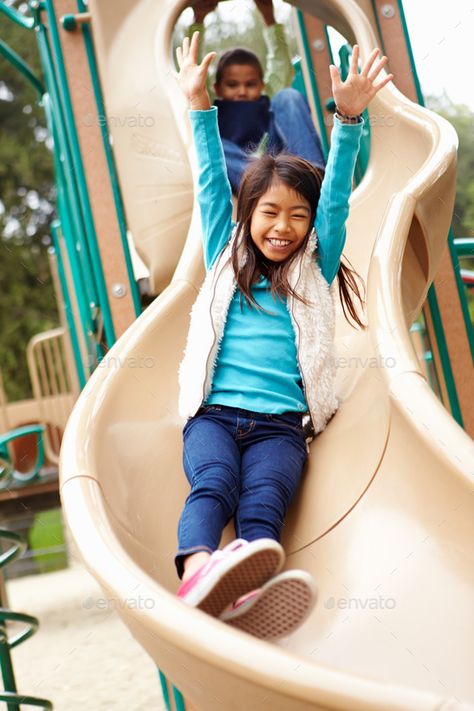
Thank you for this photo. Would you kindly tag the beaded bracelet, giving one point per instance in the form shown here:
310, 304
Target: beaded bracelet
345, 117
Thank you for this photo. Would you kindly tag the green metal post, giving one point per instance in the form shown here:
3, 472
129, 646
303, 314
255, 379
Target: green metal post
78, 176
67, 305
70, 218
11, 696
66, 177
19, 64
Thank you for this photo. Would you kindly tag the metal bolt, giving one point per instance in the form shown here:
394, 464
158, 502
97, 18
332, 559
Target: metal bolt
119, 290
388, 11
318, 45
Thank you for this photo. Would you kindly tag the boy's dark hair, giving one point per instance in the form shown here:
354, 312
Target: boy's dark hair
305, 179
240, 55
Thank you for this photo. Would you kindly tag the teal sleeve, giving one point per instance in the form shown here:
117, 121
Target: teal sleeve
333, 206
279, 72
214, 191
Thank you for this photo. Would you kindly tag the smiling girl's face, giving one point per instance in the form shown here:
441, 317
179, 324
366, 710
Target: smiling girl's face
280, 222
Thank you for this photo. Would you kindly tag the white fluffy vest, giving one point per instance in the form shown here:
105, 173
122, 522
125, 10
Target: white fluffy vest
313, 326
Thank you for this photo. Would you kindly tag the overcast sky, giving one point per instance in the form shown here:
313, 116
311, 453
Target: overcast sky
442, 37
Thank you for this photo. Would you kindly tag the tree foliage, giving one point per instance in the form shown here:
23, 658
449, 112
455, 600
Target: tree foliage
27, 299
462, 118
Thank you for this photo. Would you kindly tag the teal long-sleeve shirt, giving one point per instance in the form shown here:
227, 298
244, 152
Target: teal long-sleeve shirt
257, 365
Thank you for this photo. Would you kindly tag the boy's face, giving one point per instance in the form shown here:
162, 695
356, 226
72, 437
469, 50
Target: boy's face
240, 82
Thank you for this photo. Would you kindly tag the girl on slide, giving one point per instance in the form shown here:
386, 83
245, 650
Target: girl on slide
259, 355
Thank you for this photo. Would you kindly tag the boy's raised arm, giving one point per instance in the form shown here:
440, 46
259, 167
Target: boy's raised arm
201, 9
214, 192
279, 71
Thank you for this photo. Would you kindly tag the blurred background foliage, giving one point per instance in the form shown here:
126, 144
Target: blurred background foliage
27, 192
27, 197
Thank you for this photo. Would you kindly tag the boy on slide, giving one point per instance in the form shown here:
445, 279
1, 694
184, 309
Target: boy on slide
278, 120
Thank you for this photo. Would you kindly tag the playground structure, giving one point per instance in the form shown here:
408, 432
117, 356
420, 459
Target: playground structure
409, 462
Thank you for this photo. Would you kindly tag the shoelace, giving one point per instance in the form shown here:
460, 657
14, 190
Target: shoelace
221, 554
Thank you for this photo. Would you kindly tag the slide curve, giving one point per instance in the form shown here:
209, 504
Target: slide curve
384, 519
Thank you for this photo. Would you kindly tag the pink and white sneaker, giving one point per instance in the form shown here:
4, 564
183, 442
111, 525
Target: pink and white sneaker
277, 609
230, 573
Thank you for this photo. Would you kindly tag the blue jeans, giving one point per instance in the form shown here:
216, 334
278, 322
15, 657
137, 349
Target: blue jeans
291, 130
240, 464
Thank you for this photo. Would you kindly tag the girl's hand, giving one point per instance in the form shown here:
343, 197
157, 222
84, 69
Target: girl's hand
192, 76
354, 95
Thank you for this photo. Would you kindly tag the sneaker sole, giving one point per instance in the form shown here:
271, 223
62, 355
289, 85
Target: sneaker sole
251, 572
281, 607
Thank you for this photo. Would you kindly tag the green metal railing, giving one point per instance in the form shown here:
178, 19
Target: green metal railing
86, 234
7, 469
56, 235
10, 695
19, 64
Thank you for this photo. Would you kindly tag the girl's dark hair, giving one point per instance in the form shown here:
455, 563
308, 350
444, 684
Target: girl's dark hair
240, 55
303, 178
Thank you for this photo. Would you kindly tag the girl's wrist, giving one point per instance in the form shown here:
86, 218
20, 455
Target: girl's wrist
347, 116
200, 102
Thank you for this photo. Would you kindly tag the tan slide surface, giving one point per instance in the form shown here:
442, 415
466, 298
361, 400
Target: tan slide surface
385, 517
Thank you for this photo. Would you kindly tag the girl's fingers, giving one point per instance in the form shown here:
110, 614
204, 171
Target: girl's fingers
334, 72
370, 61
375, 71
382, 83
354, 68
179, 56
185, 47
207, 60
193, 51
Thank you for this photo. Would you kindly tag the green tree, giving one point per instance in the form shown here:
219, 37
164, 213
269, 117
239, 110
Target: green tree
27, 299
462, 118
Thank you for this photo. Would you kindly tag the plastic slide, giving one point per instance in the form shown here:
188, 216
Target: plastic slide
385, 516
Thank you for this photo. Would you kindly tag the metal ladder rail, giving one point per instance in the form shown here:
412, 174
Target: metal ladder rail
10, 695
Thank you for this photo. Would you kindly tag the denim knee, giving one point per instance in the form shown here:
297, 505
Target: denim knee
285, 98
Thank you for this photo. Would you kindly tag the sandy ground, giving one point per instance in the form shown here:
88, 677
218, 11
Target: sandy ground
82, 658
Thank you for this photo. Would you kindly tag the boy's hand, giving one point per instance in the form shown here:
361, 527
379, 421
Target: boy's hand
354, 95
192, 76
266, 10
202, 8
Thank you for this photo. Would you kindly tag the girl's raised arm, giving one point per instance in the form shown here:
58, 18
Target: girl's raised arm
214, 191
351, 97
